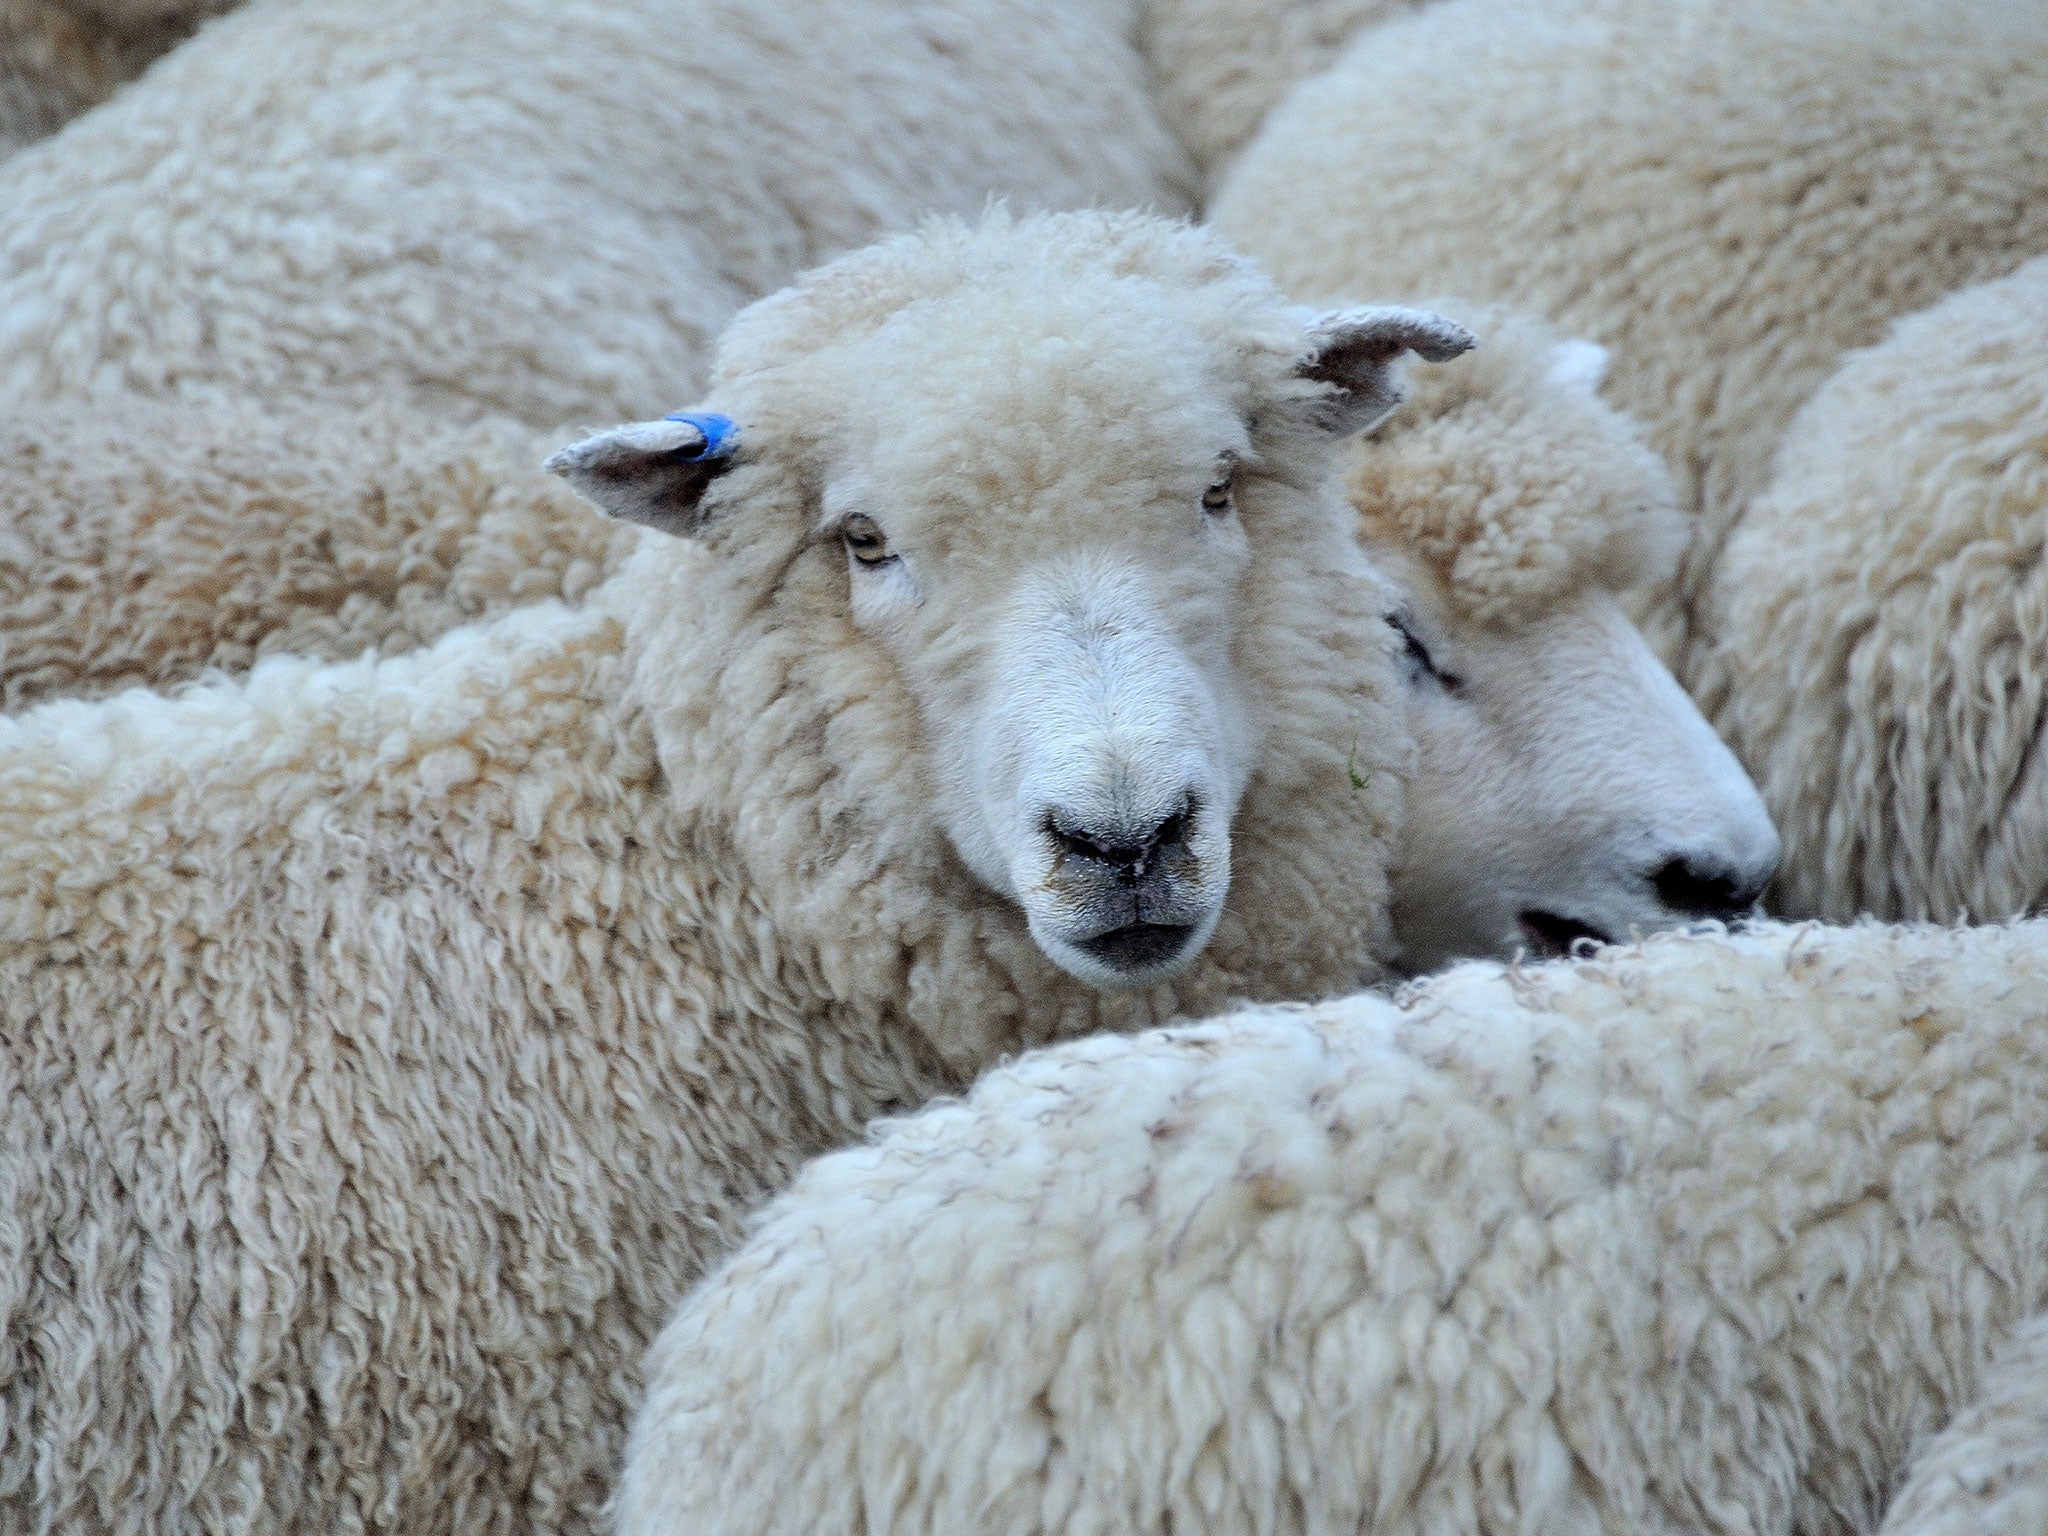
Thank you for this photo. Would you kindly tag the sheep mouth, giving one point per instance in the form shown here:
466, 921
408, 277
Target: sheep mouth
1553, 936
1138, 946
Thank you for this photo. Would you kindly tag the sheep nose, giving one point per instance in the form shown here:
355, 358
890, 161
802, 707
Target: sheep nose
1706, 887
1127, 851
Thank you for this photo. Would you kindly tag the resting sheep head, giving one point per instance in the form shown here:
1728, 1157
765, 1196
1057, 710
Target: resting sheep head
1567, 787
1043, 484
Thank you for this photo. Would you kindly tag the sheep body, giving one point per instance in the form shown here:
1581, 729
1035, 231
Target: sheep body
525, 208
1728, 196
385, 1044
1704, 1233
1880, 619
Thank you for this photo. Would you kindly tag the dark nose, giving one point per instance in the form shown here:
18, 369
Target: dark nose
1706, 888
1129, 852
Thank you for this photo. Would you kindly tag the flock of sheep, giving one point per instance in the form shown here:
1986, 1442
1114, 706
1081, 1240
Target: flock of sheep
654, 995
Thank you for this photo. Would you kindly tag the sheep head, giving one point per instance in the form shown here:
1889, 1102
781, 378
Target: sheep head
1025, 473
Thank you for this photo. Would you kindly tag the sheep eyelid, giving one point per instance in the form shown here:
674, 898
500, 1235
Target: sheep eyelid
1224, 489
865, 541
1418, 653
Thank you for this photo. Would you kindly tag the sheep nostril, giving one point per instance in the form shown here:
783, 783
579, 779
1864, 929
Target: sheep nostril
1129, 854
1700, 889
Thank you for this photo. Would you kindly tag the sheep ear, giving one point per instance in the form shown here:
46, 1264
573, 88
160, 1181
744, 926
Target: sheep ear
652, 472
1355, 352
1578, 364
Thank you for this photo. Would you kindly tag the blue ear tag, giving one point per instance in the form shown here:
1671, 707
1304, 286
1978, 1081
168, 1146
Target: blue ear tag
721, 433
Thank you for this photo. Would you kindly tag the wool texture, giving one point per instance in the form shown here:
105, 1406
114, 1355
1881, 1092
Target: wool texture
385, 1045
1881, 621
1705, 1233
1729, 194
526, 208
1987, 1472
1222, 65
146, 547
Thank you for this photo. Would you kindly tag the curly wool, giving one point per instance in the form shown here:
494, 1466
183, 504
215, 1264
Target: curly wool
1222, 65
1728, 195
1881, 621
524, 208
384, 1046
145, 547
1515, 490
1987, 1472
1703, 1233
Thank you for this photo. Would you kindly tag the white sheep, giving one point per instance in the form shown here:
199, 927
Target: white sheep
525, 208
1564, 787
60, 57
1880, 617
1704, 1234
384, 1045
1728, 193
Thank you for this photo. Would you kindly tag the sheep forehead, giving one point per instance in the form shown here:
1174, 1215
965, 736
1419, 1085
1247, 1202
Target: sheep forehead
1018, 407
1515, 483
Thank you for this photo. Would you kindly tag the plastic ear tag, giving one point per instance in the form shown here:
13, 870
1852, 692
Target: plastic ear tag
721, 433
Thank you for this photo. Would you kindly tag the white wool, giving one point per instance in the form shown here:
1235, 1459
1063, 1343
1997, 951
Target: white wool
1705, 1233
527, 208
1880, 621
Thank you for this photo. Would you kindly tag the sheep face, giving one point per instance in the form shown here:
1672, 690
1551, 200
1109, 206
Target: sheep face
1031, 504
1567, 788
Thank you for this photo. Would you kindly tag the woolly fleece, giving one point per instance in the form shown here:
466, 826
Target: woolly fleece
384, 1046
1881, 617
1987, 1472
1221, 65
1700, 1234
1726, 193
530, 208
144, 548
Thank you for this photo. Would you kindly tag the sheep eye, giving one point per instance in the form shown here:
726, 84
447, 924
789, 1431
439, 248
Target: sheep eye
865, 540
1418, 654
1219, 498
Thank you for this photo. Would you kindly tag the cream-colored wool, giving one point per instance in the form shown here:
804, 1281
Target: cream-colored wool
59, 57
1987, 1472
1222, 65
526, 208
1727, 193
1565, 786
384, 1046
1881, 615
1699, 1235
143, 547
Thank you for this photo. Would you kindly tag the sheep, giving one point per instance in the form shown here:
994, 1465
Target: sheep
385, 1044
1880, 619
1564, 786
1699, 1234
1728, 193
1987, 1471
59, 57
520, 208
